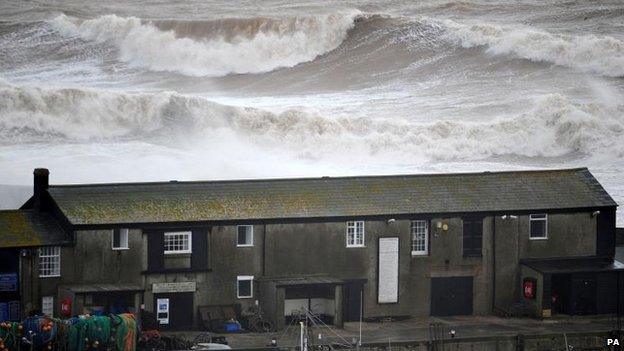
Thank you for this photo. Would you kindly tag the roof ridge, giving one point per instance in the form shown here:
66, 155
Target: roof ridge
259, 180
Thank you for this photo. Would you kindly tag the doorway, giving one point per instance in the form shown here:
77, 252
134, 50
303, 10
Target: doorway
180, 307
451, 296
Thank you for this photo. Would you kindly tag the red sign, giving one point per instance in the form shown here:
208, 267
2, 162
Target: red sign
528, 288
66, 307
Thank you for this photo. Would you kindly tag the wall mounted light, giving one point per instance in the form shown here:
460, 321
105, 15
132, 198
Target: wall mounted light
509, 217
391, 220
595, 213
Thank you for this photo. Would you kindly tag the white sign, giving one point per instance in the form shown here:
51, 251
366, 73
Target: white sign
162, 311
158, 288
388, 270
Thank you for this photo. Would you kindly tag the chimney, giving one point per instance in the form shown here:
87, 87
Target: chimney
41, 182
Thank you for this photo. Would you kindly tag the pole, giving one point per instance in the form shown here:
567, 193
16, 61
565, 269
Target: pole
301, 336
619, 316
361, 298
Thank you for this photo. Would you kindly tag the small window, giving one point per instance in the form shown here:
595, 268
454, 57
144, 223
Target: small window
120, 239
539, 226
49, 261
473, 237
244, 286
355, 234
245, 235
420, 238
47, 306
177, 243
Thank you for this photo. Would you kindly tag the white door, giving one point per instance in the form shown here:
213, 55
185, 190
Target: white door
388, 284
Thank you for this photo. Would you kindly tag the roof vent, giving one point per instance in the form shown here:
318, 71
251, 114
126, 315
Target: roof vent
173, 181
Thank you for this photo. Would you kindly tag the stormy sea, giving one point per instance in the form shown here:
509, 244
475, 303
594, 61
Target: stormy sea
112, 91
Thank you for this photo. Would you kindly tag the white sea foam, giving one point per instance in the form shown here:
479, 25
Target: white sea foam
142, 44
554, 127
590, 53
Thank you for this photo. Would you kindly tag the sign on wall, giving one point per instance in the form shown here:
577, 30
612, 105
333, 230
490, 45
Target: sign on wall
8, 282
162, 308
158, 288
388, 284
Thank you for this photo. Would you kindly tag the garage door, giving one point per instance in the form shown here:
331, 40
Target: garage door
451, 296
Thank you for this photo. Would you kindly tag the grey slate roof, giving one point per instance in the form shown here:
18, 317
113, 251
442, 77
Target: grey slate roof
328, 197
27, 228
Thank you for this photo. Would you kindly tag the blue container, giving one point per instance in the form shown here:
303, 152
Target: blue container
232, 327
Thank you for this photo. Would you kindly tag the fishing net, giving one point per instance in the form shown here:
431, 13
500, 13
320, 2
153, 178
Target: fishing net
114, 332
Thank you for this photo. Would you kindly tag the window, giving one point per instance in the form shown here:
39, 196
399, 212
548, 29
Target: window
539, 226
245, 235
420, 238
244, 286
177, 242
47, 306
120, 239
355, 234
473, 237
49, 261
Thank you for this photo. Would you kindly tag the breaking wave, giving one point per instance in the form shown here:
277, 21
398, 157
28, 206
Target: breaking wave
553, 127
590, 53
214, 48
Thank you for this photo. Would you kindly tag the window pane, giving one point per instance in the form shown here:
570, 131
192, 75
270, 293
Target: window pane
244, 288
245, 235
116, 239
178, 242
49, 261
538, 228
419, 237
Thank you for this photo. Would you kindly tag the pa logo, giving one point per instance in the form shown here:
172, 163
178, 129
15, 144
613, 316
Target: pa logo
613, 342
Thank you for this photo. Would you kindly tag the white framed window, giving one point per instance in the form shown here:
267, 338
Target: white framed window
245, 235
47, 305
355, 234
420, 238
539, 226
119, 239
177, 243
244, 286
49, 261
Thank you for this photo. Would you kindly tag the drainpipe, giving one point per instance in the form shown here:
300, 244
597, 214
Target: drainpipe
493, 262
264, 235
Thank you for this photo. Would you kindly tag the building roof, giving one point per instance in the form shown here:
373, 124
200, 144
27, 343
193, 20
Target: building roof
574, 265
127, 203
26, 228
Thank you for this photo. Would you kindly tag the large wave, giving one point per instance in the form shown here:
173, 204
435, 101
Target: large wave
590, 53
245, 46
554, 127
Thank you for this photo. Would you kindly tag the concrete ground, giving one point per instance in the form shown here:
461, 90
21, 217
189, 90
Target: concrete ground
418, 329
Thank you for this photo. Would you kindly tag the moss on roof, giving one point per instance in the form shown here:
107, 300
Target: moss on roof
328, 197
26, 228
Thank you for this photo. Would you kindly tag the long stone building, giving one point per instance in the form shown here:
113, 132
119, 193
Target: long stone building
379, 246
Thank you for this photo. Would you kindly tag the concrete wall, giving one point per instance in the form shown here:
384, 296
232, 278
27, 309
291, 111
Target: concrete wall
90, 260
320, 248
569, 235
299, 249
